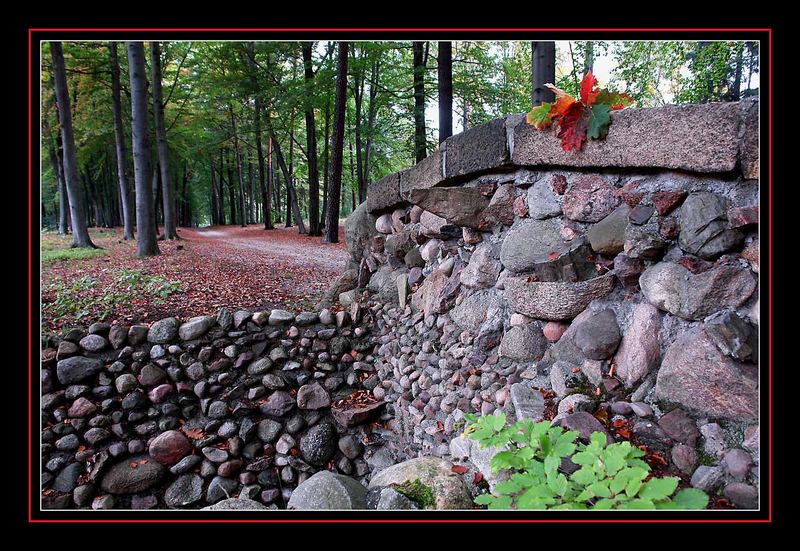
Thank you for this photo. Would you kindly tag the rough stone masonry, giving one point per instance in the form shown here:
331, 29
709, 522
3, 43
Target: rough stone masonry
613, 289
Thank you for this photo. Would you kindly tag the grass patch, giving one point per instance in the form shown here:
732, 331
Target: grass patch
81, 299
52, 254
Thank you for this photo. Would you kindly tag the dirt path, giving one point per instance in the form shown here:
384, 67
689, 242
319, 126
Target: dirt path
230, 266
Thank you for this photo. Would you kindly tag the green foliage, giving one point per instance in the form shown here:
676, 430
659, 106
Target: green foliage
57, 255
611, 476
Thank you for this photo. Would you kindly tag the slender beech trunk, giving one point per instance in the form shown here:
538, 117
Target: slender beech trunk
145, 225
66, 215
265, 183
271, 186
119, 139
311, 144
588, 62
221, 187
445, 67
238, 153
420, 148
326, 164
80, 231
214, 205
335, 187
163, 147
358, 97
231, 190
543, 71
250, 201
372, 113
59, 175
291, 195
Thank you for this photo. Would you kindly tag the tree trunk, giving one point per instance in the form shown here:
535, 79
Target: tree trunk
59, 175
543, 71
445, 63
80, 231
372, 112
291, 196
326, 164
311, 144
163, 148
588, 62
420, 147
242, 210
251, 209
214, 206
358, 96
119, 139
145, 224
266, 186
335, 187
66, 215
231, 190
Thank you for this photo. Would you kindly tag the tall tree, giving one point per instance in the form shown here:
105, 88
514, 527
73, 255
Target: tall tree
420, 52
163, 147
311, 143
543, 71
119, 140
146, 238
237, 152
337, 147
445, 66
80, 231
58, 172
266, 186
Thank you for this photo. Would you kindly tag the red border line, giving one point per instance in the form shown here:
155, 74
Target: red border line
31, 520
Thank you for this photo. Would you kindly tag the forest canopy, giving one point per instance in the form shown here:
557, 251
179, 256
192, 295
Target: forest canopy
223, 102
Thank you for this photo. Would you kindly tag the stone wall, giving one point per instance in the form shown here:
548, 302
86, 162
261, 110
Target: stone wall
613, 288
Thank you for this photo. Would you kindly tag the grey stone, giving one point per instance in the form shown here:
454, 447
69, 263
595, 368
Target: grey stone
674, 289
237, 504
77, 368
607, 237
555, 300
483, 268
695, 138
744, 496
704, 226
196, 327
679, 426
684, 458
448, 488
528, 403
326, 490
542, 201
221, 488
640, 346
186, 490
748, 145
121, 478
733, 335
536, 246
319, 444
590, 198
584, 423
359, 229
280, 317
384, 194
642, 243
391, 499
93, 343
457, 205
707, 479
425, 174
477, 149
737, 463
598, 335
473, 311
523, 343
163, 331
67, 479
313, 396
224, 319
383, 224
695, 374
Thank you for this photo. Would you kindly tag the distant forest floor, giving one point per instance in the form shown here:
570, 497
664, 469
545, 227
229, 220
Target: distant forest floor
239, 268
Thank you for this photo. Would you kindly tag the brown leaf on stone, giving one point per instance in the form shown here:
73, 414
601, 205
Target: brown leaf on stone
459, 469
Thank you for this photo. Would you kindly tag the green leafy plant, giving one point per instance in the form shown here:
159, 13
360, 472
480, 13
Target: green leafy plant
611, 476
577, 119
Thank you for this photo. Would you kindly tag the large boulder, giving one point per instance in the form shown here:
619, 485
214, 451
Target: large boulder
457, 205
698, 376
163, 331
555, 300
542, 200
537, 246
523, 343
196, 327
326, 490
639, 350
132, 475
590, 199
473, 311
607, 237
598, 336
428, 475
704, 226
483, 268
77, 368
674, 289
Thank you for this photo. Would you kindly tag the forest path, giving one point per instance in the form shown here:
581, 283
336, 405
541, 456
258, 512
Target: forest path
239, 268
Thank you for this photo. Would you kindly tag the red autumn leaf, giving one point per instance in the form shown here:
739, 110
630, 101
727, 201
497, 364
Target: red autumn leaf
589, 90
573, 127
552, 255
142, 461
459, 469
134, 465
477, 477
624, 433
